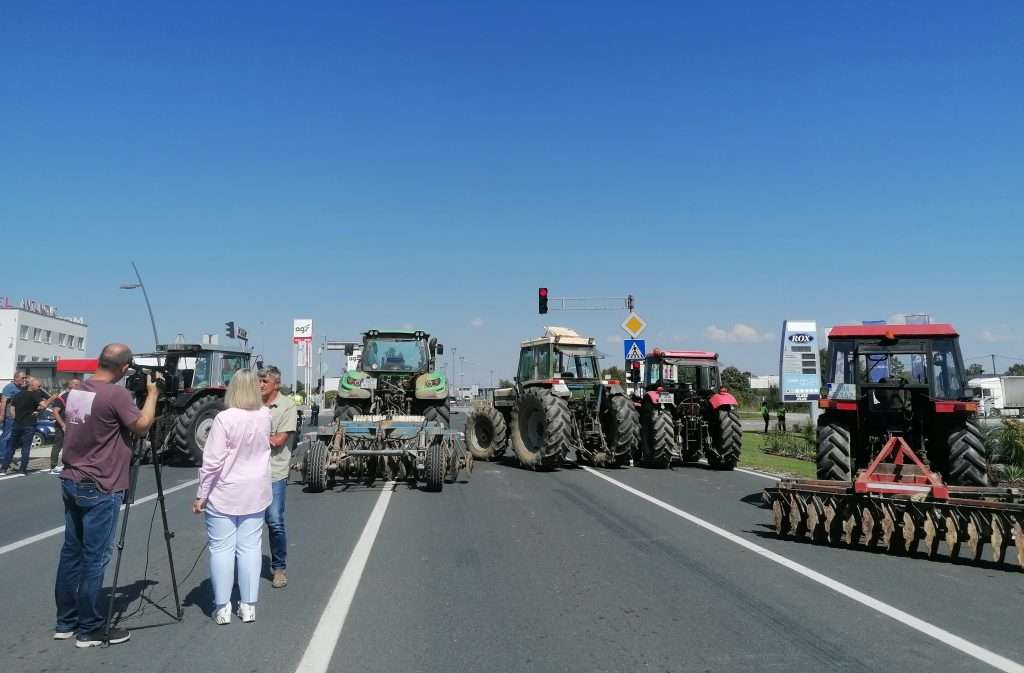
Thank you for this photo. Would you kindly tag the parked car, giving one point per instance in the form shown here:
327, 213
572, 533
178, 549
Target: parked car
46, 428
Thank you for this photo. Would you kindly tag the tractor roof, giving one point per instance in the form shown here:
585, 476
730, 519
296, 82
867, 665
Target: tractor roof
892, 331
401, 333
684, 355
560, 335
164, 349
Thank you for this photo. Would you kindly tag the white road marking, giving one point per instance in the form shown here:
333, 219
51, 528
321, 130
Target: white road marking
317, 656
757, 474
60, 529
980, 653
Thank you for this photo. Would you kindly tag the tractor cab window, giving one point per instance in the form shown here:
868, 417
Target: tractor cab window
946, 371
526, 365
394, 355
894, 368
653, 373
230, 366
577, 363
201, 375
542, 354
841, 369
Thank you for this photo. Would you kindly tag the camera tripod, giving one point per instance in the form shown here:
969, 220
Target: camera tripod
139, 450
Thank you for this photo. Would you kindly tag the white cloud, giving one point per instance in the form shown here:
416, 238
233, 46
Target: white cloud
407, 326
992, 337
737, 334
477, 322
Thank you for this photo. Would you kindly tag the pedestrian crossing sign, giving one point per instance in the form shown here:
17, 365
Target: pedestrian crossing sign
635, 349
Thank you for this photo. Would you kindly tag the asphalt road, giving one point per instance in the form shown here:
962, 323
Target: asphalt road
517, 571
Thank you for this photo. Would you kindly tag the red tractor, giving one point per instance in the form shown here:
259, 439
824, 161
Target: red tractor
908, 381
686, 413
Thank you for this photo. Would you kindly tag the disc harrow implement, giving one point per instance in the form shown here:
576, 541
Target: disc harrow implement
899, 506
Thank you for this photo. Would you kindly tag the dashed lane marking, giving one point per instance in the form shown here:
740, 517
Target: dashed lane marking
60, 529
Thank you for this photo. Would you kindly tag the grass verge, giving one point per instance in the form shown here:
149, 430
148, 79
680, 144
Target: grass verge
753, 458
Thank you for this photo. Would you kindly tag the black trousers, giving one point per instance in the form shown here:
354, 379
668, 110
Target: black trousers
58, 444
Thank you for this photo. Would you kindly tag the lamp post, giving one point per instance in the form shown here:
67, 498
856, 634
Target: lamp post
140, 285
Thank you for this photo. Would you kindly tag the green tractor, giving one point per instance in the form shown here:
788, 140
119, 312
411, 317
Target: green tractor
395, 377
559, 405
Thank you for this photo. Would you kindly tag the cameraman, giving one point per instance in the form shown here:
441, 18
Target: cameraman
99, 416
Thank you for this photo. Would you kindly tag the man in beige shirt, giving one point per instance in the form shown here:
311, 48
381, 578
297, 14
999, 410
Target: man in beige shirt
283, 426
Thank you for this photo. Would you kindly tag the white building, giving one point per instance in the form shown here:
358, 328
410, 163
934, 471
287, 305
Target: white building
33, 337
766, 382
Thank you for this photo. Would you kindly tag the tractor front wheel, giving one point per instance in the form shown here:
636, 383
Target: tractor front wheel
486, 433
433, 465
438, 414
541, 427
726, 440
193, 426
967, 464
346, 412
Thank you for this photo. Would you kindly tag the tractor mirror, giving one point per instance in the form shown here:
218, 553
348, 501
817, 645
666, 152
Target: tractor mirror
439, 349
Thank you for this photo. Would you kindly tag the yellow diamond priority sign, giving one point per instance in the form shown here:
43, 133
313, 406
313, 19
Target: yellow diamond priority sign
634, 325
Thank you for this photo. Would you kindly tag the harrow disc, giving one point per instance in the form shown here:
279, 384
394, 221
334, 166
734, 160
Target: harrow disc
976, 534
797, 517
851, 527
1018, 538
816, 520
833, 522
892, 532
1000, 538
952, 537
869, 526
932, 527
780, 517
910, 532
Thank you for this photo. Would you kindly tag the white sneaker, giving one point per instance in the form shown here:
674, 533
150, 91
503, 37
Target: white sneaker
222, 615
63, 635
57, 470
247, 611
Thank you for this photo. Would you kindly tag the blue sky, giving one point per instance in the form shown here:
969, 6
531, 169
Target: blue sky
730, 164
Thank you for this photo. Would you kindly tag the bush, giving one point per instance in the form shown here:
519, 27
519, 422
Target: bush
1006, 443
802, 446
329, 399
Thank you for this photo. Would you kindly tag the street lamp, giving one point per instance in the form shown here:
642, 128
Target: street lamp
141, 286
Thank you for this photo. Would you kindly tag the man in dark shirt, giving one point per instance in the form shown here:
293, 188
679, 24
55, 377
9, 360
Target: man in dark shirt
26, 410
100, 417
17, 384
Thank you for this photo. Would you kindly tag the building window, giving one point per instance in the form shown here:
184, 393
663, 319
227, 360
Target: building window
24, 332
37, 334
21, 358
47, 337
35, 358
81, 343
61, 338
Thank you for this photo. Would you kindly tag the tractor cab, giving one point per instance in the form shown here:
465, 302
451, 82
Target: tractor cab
561, 358
196, 367
687, 373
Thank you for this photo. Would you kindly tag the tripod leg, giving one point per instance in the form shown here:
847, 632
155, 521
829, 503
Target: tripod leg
117, 567
168, 534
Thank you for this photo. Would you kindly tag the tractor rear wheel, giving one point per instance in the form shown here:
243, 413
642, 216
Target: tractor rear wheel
486, 433
967, 465
656, 437
726, 440
433, 465
540, 428
621, 427
438, 413
314, 467
834, 456
193, 426
346, 412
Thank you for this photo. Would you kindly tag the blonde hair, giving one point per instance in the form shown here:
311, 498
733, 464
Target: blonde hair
243, 391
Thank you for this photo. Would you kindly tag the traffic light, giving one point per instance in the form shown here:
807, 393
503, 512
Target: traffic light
229, 329
634, 372
542, 300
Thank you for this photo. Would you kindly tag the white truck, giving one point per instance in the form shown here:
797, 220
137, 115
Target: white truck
999, 395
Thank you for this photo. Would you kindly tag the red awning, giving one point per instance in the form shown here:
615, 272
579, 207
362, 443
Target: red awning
77, 366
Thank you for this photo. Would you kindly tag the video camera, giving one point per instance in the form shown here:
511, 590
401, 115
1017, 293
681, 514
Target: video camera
136, 381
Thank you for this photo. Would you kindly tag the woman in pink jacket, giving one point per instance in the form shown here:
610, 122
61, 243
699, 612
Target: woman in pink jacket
234, 491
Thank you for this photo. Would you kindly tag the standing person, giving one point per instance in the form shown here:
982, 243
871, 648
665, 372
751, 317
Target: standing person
284, 423
765, 414
15, 386
26, 406
314, 413
100, 415
781, 415
57, 405
234, 492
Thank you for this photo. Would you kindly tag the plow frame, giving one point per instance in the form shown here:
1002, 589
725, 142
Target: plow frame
400, 448
901, 506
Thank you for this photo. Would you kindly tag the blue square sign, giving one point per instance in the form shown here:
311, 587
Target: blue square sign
634, 349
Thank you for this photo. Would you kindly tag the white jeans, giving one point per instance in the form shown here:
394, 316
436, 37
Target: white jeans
235, 538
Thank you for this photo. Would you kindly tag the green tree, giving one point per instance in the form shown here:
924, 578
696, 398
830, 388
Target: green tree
1015, 370
823, 361
735, 380
975, 370
505, 383
615, 373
